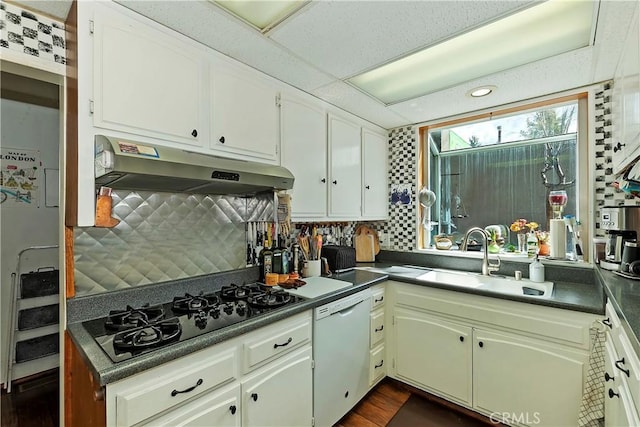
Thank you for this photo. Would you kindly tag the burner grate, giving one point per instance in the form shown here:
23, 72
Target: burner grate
120, 320
147, 336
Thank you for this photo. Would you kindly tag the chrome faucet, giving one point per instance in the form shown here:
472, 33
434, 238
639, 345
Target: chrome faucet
487, 267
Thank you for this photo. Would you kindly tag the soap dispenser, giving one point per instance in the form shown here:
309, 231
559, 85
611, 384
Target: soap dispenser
536, 271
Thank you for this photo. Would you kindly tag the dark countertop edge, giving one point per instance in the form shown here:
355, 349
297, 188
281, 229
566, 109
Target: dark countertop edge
107, 372
614, 284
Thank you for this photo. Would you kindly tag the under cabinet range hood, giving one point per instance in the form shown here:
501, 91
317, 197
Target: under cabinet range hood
123, 164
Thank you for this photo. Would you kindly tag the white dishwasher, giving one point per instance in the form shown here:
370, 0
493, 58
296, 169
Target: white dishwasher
341, 356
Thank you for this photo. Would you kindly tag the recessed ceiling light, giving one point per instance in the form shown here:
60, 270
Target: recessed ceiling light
541, 31
262, 14
481, 91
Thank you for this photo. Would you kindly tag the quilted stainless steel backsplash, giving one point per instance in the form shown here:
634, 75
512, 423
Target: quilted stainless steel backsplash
163, 236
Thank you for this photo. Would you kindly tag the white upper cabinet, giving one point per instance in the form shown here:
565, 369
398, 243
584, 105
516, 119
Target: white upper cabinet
146, 81
375, 191
244, 114
626, 100
304, 153
345, 180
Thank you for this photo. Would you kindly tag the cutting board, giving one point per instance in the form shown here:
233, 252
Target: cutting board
364, 230
365, 250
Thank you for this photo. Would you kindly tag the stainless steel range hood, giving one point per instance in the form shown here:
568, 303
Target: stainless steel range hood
123, 164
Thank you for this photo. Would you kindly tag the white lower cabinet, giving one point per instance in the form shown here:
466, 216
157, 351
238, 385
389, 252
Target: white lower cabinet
216, 386
518, 363
433, 354
622, 385
527, 379
281, 395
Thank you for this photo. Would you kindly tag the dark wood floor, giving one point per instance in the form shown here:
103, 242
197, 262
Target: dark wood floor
32, 404
385, 400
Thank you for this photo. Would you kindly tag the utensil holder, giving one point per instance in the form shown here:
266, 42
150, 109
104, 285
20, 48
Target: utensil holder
311, 268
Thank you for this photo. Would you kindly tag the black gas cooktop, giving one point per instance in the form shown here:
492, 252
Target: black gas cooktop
133, 331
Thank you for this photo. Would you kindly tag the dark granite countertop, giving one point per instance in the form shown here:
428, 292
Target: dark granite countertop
624, 295
87, 307
584, 294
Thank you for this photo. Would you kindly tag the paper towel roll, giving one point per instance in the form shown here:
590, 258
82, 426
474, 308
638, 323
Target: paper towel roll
557, 238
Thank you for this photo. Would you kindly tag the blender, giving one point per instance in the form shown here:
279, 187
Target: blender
557, 228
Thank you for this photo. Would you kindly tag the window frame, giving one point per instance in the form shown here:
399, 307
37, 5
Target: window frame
584, 186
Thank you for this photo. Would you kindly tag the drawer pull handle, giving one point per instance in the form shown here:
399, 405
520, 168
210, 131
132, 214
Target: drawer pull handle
233, 409
254, 396
608, 377
174, 393
379, 299
282, 345
379, 329
621, 362
379, 365
613, 393
607, 322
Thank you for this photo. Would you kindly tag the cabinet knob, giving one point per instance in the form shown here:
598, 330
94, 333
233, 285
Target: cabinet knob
619, 364
367, 187
254, 396
481, 344
221, 140
607, 322
613, 393
233, 409
608, 377
618, 147
323, 180
335, 182
194, 133
462, 339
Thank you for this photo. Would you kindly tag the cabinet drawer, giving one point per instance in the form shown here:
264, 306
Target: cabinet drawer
219, 408
377, 297
138, 401
377, 367
275, 340
376, 327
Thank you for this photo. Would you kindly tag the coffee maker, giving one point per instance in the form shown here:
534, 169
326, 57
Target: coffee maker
621, 224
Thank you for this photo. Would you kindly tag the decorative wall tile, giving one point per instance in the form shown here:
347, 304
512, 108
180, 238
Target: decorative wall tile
31, 34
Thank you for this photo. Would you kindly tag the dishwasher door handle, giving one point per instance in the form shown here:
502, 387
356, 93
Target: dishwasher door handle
348, 310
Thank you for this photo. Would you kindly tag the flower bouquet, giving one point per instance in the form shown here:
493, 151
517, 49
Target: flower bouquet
522, 227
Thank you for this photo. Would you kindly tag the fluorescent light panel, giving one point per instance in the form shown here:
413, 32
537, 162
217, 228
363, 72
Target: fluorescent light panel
542, 31
262, 14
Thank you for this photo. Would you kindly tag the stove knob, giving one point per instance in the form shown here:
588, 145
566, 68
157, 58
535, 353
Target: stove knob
228, 308
201, 321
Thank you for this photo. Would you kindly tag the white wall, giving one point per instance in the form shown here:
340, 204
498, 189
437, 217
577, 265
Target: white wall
26, 126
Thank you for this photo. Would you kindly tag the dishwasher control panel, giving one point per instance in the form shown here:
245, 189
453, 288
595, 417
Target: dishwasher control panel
341, 304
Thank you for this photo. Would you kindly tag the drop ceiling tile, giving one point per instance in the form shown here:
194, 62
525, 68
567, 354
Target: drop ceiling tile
206, 23
548, 76
350, 99
347, 37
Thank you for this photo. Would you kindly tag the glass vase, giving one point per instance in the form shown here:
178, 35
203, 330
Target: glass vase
522, 243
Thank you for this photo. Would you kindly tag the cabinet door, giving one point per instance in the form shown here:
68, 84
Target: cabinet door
627, 105
304, 153
344, 165
281, 395
244, 114
215, 409
375, 190
534, 382
147, 81
434, 354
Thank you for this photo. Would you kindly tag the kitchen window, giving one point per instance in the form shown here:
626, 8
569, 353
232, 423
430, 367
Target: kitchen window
497, 167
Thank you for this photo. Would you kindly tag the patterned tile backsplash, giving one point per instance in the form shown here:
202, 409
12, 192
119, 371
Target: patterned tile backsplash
164, 236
